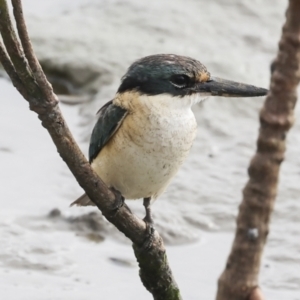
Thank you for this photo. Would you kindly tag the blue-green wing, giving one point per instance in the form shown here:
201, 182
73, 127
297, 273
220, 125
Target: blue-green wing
110, 119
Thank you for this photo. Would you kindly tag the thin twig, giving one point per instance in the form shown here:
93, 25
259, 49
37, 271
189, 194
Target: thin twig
27, 46
239, 280
10, 70
15, 50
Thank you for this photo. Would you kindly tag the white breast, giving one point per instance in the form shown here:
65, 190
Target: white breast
149, 147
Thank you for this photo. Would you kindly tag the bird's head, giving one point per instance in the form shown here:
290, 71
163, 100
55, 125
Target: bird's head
179, 76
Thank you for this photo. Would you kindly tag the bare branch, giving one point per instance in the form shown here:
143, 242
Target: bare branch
155, 272
10, 70
15, 51
240, 277
27, 46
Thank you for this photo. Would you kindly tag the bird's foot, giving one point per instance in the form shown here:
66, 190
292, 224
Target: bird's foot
149, 235
149, 238
119, 200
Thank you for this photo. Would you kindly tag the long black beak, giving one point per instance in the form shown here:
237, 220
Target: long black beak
226, 88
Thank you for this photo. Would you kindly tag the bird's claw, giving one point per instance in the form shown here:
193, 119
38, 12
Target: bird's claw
149, 236
119, 201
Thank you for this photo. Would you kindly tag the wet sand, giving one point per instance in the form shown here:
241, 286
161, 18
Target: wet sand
91, 45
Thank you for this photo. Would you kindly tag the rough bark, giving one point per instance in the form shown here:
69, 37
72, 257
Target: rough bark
239, 280
21, 64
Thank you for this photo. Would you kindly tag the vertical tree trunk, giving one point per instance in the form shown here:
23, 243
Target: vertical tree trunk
240, 277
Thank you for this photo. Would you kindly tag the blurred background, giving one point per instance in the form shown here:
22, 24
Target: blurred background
51, 251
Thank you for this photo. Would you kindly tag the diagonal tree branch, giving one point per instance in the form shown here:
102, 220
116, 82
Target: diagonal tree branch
155, 272
239, 280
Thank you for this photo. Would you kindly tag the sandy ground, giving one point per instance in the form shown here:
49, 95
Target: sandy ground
92, 44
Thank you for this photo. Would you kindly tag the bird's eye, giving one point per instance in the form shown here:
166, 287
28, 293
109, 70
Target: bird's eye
180, 81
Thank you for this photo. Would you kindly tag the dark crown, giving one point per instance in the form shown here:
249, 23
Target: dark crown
164, 73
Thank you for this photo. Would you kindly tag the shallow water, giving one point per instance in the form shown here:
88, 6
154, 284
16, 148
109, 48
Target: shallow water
93, 43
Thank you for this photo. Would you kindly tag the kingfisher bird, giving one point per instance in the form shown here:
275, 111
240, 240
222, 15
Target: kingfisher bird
143, 135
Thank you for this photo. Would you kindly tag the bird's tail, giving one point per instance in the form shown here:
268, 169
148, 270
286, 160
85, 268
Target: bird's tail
83, 200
